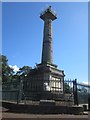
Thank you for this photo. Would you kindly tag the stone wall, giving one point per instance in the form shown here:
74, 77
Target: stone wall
40, 109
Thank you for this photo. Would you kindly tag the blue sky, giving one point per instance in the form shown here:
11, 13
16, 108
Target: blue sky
23, 36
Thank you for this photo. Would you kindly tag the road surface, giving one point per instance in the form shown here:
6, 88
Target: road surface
24, 116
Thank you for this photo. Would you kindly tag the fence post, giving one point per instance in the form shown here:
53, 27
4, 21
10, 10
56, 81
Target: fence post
19, 96
75, 93
89, 101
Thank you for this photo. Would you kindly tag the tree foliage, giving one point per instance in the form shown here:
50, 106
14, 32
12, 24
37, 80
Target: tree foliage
7, 72
23, 72
0, 69
67, 88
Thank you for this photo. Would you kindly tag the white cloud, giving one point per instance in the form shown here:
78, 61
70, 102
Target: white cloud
14, 67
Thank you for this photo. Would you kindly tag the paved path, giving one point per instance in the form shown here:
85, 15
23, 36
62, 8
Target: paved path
22, 116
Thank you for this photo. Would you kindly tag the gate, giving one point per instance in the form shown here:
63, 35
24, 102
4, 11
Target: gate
80, 91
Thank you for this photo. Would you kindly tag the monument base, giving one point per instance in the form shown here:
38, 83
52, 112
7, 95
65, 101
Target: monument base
41, 109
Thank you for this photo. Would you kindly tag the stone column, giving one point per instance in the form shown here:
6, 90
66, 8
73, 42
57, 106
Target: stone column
47, 16
47, 41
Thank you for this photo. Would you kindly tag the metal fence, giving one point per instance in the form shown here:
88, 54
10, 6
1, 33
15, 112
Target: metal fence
80, 91
14, 91
11, 91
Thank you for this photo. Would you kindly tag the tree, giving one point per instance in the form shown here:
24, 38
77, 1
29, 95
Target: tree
0, 70
23, 72
67, 88
7, 72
